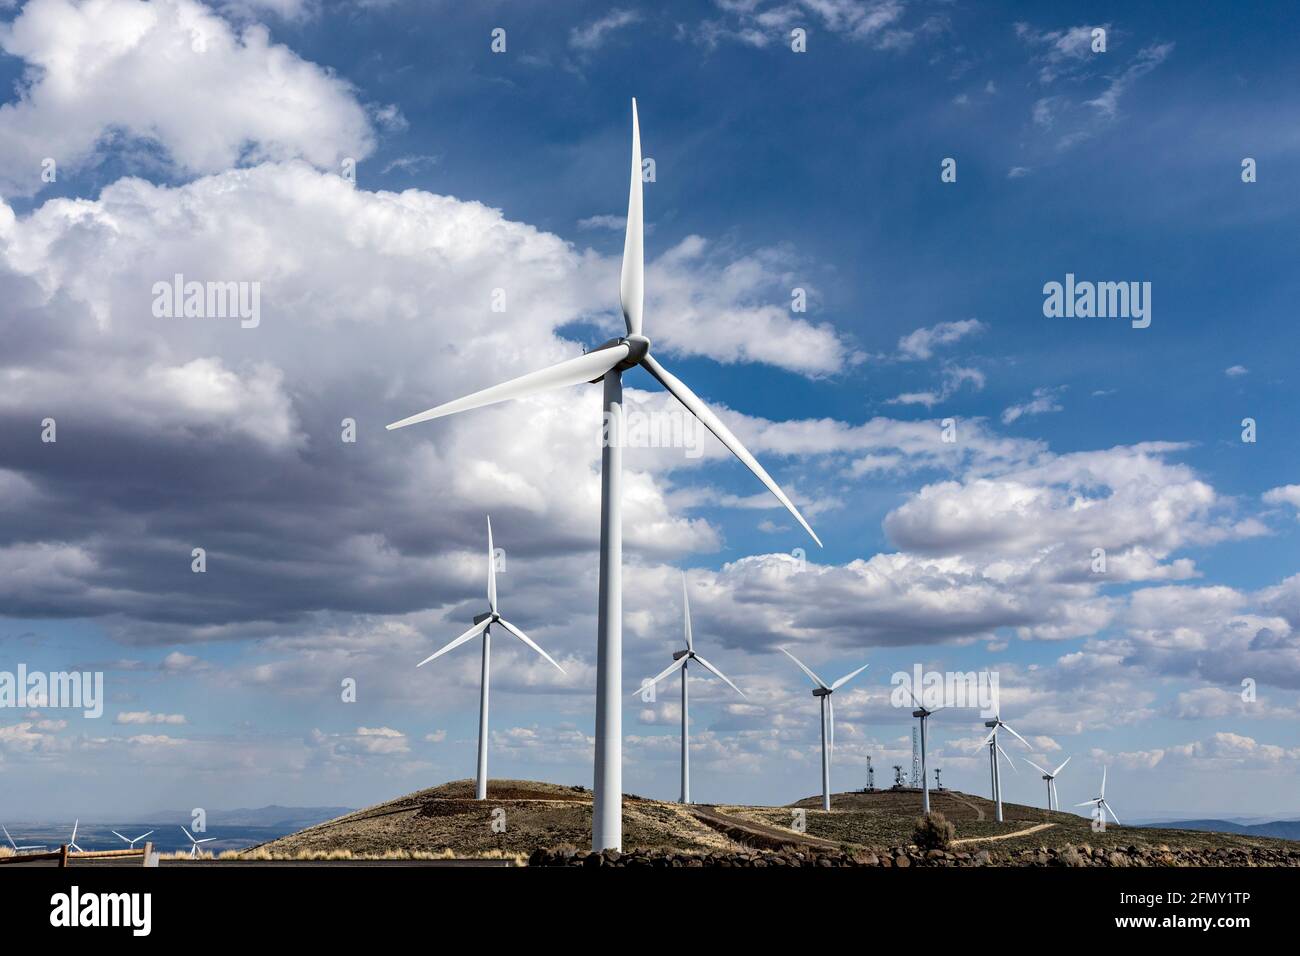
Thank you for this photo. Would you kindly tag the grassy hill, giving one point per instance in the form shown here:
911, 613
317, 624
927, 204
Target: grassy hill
447, 820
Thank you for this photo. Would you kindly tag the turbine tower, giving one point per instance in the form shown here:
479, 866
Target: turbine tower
483, 625
608, 363
922, 713
824, 691
681, 659
937, 784
1099, 802
1050, 777
997, 723
915, 779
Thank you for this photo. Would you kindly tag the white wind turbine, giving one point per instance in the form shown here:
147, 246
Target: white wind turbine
72, 841
1050, 777
607, 363
130, 843
997, 723
1099, 802
824, 691
923, 713
194, 843
680, 661
16, 847
482, 625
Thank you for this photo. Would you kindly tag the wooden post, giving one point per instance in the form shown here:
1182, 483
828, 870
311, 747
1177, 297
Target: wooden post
63, 855
148, 853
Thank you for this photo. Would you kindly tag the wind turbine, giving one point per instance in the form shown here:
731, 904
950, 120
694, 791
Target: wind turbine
997, 723
16, 847
194, 844
72, 841
131, 843
1099, 802
1050, 777
607, 363
824, 691
681, 659
482, 625
923, 713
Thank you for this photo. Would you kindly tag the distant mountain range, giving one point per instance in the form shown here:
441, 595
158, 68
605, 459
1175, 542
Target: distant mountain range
280, 818
1281, 829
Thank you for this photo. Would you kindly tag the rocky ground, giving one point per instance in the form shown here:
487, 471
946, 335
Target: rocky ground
1079, 856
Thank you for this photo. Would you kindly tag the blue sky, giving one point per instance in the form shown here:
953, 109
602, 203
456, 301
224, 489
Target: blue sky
774, 170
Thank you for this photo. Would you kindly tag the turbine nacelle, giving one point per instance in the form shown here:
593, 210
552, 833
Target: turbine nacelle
822, 692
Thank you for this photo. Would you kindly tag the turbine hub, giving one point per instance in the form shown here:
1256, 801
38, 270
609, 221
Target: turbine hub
821, 692
639, 347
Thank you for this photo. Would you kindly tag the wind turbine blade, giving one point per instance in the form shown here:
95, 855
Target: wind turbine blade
205, 840
680, 662
492, 570
187, 833
686, 610
914, 700
1036, 767
718, 674
711, 421
992, 734
531, 643
469, 635
143, 835
1086, 803
631, 281
1062, 766
11, 839
1103, 781
574, 371
74, 832
816, 680
1011, 762
1111, 812
1013, 733
848, 677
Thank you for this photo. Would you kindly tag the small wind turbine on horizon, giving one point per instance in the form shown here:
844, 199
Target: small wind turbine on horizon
483, 625
923, 713
130, 843
194, 843
16, 847
824, 691
997, 723
606, 364
1099, 802
1050, 777
72, 840
681, 659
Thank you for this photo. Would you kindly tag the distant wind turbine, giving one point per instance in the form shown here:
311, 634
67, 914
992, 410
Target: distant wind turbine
997, 723
72, 841
824, 691
131, 843
482, 625
1099, 802
923, 714
194, 844
680, 661
607, 363
1050, 777
16, 847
